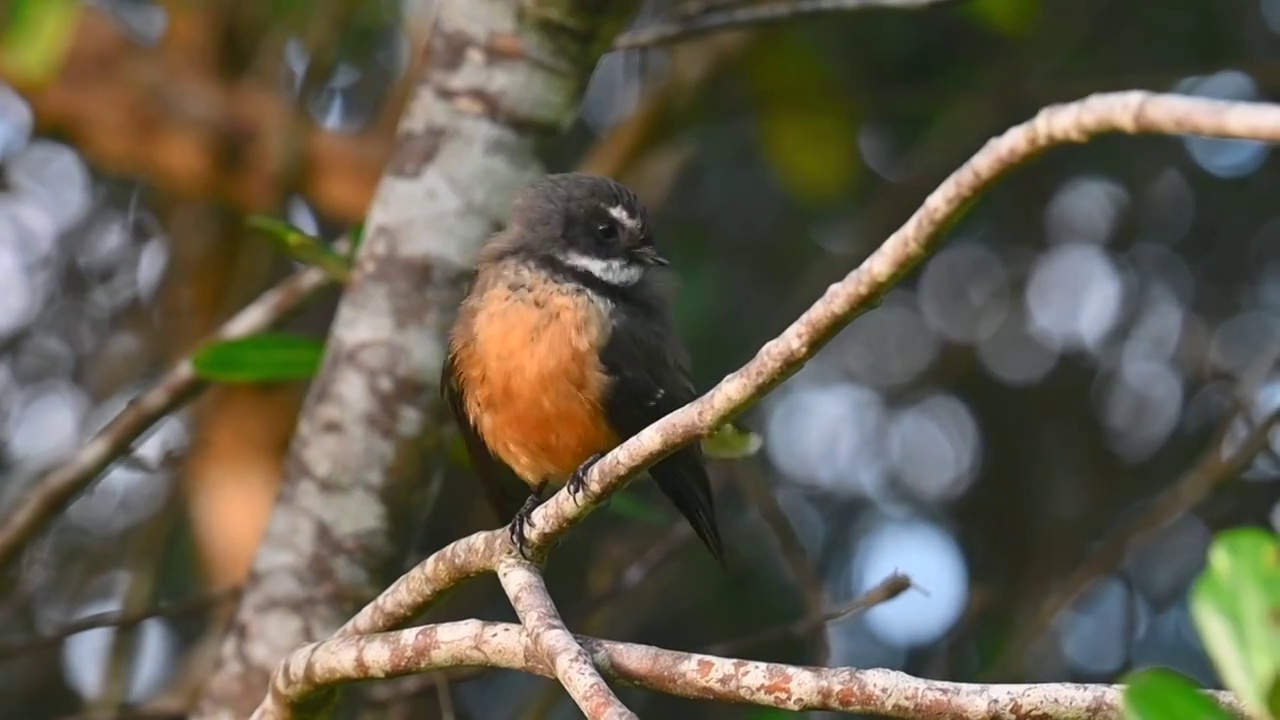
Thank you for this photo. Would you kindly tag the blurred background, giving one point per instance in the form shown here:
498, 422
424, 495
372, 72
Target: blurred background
1096, 326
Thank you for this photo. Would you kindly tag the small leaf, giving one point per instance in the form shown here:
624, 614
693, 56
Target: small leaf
729, 442
1160, 694
260, 358
1236, 607
1012, 18
302, 247
36, 36
357, 237
633, 507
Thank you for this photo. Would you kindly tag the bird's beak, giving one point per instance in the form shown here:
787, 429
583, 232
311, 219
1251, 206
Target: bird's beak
649, 256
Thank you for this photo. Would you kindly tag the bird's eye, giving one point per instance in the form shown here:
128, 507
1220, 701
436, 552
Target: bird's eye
608, 231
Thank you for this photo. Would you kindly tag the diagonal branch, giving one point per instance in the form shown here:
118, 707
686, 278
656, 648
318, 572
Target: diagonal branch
42, 502
1135, 112
559, 650
741, 15
1216, 466
876, 692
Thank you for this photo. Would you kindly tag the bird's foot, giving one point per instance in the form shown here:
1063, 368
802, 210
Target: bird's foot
578, 481
521, 523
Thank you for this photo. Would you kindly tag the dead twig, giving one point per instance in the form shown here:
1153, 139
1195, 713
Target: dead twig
720, 18
117, 619
888, 589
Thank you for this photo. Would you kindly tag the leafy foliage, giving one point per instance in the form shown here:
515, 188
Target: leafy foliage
730, 442
1160, 694
303, 247
1236, 606
268, 357
35, 36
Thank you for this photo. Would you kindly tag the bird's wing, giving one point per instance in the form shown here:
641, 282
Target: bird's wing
502, 488
650, 378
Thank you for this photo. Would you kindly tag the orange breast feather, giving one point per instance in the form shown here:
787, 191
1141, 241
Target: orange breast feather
531, 378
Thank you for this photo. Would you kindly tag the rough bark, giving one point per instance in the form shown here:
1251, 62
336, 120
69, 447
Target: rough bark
882, 693
499, 74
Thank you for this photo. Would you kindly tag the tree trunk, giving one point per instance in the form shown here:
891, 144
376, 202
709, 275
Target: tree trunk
498, 74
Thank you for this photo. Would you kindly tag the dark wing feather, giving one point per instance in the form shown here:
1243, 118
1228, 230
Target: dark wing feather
502, 488
651, 379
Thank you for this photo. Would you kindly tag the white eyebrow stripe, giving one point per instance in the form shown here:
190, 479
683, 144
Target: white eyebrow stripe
620, 214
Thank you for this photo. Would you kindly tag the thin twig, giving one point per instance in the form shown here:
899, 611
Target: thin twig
888, 589
558, 648
59, 486
117, 619
1196, 484
444, 696
793, 553
142, 567
734, 17
876, 692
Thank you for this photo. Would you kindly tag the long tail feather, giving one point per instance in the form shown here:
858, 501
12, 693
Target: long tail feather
684, 481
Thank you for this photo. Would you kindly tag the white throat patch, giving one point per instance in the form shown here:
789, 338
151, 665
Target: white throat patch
614, 271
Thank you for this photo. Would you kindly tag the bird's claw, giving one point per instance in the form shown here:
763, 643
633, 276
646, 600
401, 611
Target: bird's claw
578, 481
520, 525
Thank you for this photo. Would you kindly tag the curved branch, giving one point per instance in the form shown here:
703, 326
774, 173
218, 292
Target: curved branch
1132, 112
707, 677
549, 637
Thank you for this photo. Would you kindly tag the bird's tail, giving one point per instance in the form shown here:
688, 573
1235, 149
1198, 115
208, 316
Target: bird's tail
684, 481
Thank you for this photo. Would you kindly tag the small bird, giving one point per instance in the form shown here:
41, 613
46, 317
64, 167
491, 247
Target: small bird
563, 348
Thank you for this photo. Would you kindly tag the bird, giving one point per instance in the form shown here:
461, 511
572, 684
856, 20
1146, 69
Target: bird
563, 347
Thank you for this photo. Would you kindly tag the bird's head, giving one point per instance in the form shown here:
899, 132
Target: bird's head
591, 223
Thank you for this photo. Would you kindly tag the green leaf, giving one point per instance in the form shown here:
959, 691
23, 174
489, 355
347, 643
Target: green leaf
1013, 18
302, 247
357, 237
36, 36
1236, 607
260, 358
1160, 694
730, 442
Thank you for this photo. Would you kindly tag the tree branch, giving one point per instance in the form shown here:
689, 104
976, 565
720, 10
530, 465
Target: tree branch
117, 619
736, 16
706, 677
551, 639
42, 502
1076, 122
